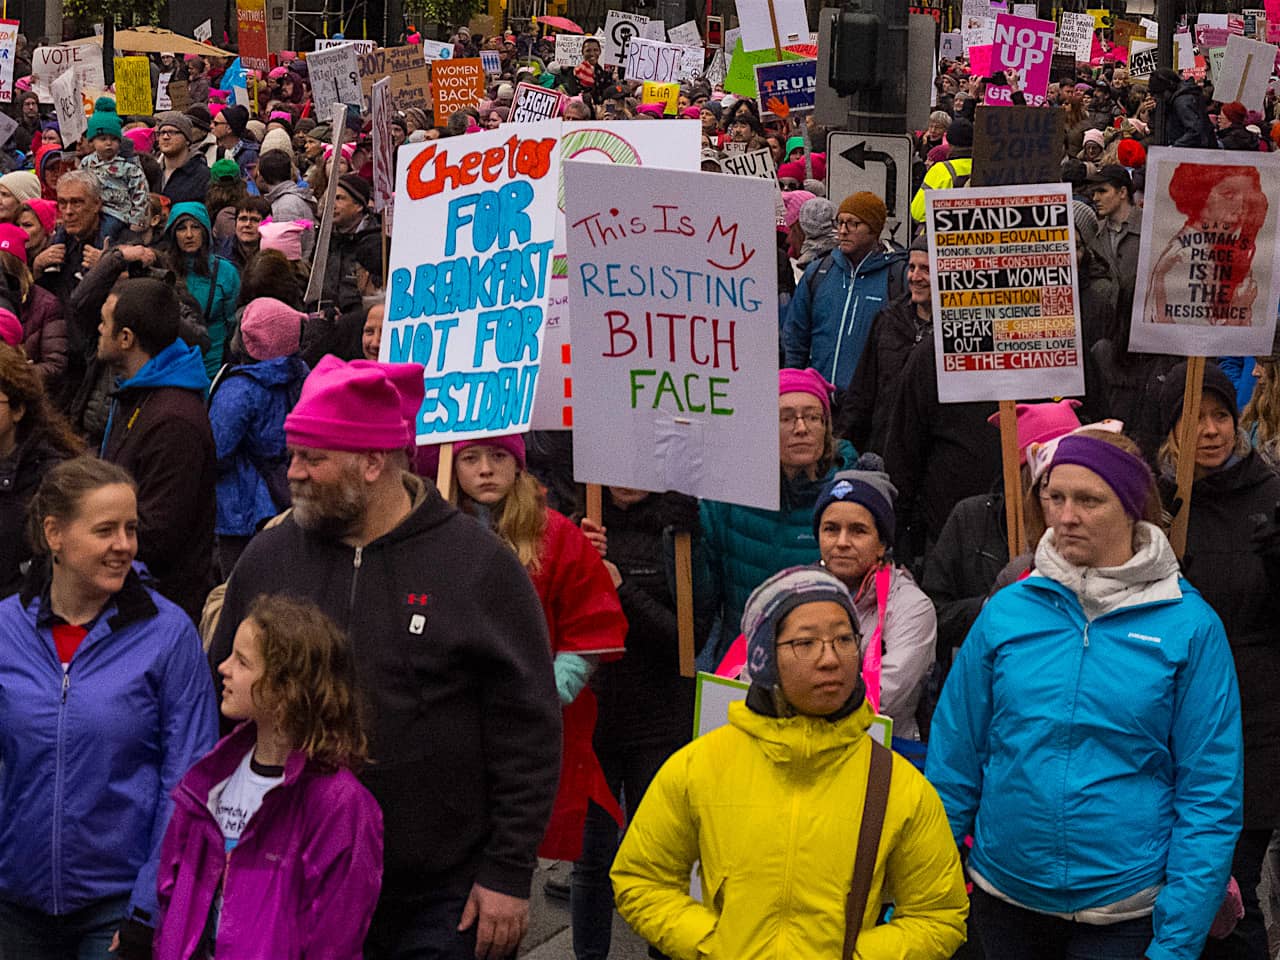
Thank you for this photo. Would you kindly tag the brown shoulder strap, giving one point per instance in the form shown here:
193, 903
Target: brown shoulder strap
864, 862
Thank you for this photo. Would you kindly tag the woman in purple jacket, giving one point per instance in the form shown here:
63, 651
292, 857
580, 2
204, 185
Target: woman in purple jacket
274, 851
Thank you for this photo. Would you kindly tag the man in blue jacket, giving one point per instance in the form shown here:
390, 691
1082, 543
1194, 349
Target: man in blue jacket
838, 297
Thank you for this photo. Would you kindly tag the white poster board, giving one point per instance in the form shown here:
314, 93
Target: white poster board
361, 46
384, 157
8, 40
1075, 35
468, 275
435, 50
1184, 51
335, 77
1006, 316
1246, 68
651, 60
1209, 265
69, 105
950, 46
619, 28
569, 49
686, 34
48, 63
674, 371
204, 31
752, 163
758, 32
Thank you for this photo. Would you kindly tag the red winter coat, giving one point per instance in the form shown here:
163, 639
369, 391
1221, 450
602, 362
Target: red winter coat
44, 335
584, 616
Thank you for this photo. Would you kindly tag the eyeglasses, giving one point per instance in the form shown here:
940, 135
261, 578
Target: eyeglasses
253, 218
848, 223
808, 650
813, 421
169, 132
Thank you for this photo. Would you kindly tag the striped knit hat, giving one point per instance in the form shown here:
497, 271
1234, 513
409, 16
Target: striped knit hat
773, 600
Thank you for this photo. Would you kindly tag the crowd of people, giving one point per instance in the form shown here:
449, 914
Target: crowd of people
267, 692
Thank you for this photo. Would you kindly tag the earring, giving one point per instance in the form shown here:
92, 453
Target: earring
56, 558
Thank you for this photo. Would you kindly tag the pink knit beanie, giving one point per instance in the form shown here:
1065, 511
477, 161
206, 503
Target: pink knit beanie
1038, 422
806, 381
356, 406
514, 445
271, 329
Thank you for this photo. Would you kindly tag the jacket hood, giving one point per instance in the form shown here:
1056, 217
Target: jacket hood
803, 739
800, 491
274, 373
877, 260
177, 365
189, 209
221, 762
286, 187
1149, 576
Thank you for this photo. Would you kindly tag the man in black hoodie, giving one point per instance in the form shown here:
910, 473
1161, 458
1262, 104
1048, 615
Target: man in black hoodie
186, 174
453, 660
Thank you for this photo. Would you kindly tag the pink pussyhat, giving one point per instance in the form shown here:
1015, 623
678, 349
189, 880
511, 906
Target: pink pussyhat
513, 445
356, 406
1038, 422
806, 381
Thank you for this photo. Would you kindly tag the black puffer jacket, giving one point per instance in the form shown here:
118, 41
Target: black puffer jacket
863, 417
1131, 385
20, 475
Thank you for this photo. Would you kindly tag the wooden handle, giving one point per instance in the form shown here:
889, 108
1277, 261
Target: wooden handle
444, 472
595, 503
1188, 431
1012, 478
684, 600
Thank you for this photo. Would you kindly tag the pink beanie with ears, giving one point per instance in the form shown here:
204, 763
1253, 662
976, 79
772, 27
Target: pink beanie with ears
806, 381
285, 236
513, 445
10, 328
356, 406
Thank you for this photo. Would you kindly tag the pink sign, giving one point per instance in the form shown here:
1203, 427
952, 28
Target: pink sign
1025, 45
1273, 11
980, 60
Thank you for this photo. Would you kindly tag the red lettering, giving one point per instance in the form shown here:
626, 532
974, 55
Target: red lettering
616, 331
530, 158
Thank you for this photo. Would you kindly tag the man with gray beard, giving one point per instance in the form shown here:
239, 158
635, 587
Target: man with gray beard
452, 655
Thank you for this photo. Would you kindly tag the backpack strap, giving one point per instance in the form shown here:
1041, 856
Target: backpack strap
879, 776
213, 288
814, 279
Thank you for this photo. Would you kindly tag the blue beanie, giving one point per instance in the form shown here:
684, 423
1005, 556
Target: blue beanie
870, 487
773, 600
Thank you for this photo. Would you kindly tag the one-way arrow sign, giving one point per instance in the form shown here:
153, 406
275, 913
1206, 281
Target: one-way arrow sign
859, 156
879, 163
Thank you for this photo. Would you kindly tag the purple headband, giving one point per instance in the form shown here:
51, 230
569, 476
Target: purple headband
1127, 475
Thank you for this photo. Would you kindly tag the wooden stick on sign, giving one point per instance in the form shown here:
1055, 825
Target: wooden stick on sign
684, 601
1012, 477
1187, 433
595, 504
444, 471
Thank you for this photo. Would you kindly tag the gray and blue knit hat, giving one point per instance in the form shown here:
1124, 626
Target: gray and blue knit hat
869, 487
773, 600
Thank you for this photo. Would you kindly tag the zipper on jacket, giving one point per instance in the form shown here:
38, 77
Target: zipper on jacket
835, 362
355, 577
1086, 635
57, 795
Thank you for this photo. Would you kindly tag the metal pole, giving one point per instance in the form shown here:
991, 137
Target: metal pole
1166, 16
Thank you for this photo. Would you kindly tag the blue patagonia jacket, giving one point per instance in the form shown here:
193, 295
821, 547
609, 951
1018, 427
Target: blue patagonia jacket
88, 758
828, 330
247, 411
217, 307
1093, 759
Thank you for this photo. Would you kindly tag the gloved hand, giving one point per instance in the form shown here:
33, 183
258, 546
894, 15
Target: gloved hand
572, 672
135, 940
1266, 535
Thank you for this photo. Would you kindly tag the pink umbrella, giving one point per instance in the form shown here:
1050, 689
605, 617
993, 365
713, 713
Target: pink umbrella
560, 23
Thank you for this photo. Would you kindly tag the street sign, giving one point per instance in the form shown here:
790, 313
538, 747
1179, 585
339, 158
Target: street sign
879, 163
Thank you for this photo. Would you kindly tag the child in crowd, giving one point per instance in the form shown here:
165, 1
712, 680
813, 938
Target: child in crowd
275, 848
126, 200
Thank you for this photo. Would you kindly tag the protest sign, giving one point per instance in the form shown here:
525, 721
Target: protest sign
1142, 58
674, 371
1208, 268
1075, 34
692, 63
770, 24
320, 262
49, 63
8, 126
1017, 144
654, 30
1208, 37
251, 35
533, 103
1150, 27
335, 78
384, 158
792, 84
667, 94
69, 105
1101, 18
717, 70
410, 76
651, 60
753, 163
492, 62
980, 60
203, 31
8, 41
1024, 10
978, 32
1026, 46
1214, 60
362, 46
133, 86
619, 27
1184, 51
950, 46
456, 84
686, 34
434, 50
468, 275
1122, 31
1005, 303
1246, 68
569, 49
741, 77
1252, 17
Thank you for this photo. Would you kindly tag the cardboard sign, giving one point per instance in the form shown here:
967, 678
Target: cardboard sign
1142, 59
791, 83
1122, 31
1075, 35
69, 105
455, 84
674, 374
1246, 68
1209, 265
1006, 318
569, 49
1026, 46
362, 46
8, 41
950, 46
49, 63
133, 86
492, 62
667, 94
754, 163
468, 275
384, 158
686, 34
179, 96
769, 24
650, 60
533, 103
434, 50
1017, 144
335, 78
409, 73
251, 34
619, 28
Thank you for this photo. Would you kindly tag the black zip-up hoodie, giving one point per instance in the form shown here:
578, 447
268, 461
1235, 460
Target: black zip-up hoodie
454, 662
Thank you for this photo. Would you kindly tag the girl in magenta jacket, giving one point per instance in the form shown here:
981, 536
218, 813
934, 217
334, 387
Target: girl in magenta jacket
275, 849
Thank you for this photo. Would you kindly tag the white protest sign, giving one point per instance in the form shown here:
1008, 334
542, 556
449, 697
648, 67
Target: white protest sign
686, 34
756, 163
8, 40
1150, 27
673, 146
950, 46
1216, 20
1246, 68
335, 77
674, 368
163, 100
8, 126
651, 60
1184, 51
69, 105
435, 50
533, 103
362, 46
691, 63
654, 30
977, 32
1209, 264
468, 275
1025, 10
1075, 35
1142, 58
204, 31
384, 158
790, 23
491, 62
619, 27
1006, 316
717, 69
48, 63
569, 49
1213, 62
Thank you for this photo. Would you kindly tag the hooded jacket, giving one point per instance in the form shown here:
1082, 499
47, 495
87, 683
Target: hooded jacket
454, 660
301, 882
771, 807
90, 756
44, 336
246, 414
1088, 738
158, 430
827, 328
217, 305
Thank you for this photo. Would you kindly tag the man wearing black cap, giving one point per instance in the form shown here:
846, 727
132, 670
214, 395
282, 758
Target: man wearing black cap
1121, 222
228, 129
351, 223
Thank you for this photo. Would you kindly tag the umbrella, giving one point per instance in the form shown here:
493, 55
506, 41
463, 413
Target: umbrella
560, 23
156, 40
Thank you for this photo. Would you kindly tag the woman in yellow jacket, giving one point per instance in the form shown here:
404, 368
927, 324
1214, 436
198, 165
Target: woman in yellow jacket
771, 805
